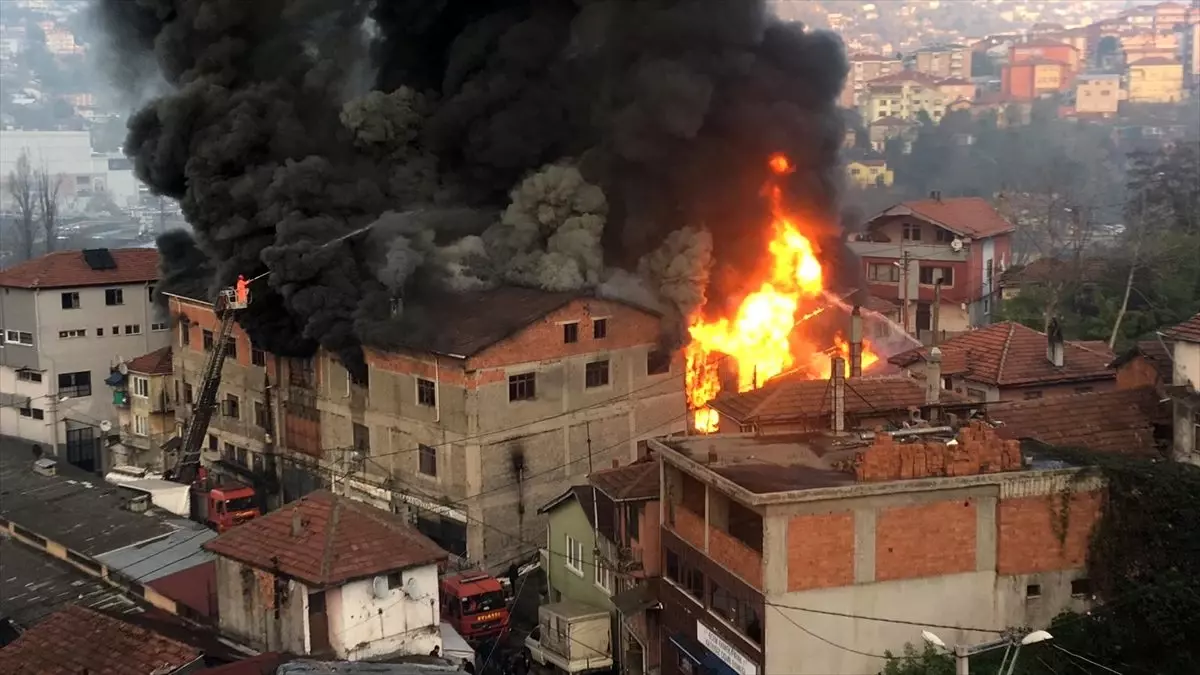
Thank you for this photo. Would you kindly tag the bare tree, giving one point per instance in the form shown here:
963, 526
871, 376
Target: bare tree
23, 192
47, 186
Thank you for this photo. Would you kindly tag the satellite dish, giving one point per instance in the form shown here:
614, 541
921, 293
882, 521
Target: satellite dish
105, 426
956, 245
380, 587
123, 368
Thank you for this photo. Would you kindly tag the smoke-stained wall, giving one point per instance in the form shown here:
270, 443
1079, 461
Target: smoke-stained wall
614, 145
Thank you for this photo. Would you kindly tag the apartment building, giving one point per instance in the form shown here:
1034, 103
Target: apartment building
69, 318
467, 427
1098, 94
1185, 389
944, 61
960, 244
145, 400
1156, 80
904, 95
864, 68
776, 556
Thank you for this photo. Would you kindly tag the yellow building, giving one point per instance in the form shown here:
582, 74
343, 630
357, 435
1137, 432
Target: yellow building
869, 173
1097, 94
905, 95
1155, 80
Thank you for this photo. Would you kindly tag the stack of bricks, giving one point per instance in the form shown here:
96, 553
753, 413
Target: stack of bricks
978, 450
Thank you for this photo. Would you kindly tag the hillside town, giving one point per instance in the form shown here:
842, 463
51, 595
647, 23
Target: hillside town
890, 370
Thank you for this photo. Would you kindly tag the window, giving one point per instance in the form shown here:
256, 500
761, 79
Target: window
912, 232
233, 406
362, 437
159, 326
428, 460
672, 566
595, 374
114, 296
362, 379
1081, 587
99, 332
1031, 395
886, 273
75, 333
932, 275
736, 610
187, 392
260, 414
426, 393
212, 443
29, 376
18, 337
209, 342
395, 580
942, 235
141, 386
116, 330
1033, 591
33, 413
658, 362
231, 348
599, 328
70, 300
141, 426
521, 387
258, 357
133, 329
185, 333
150, 293
570, 332
240, 455
574, 555
990, 272
602, 575
75, 385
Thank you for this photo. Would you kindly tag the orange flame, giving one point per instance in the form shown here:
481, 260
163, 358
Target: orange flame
759, 337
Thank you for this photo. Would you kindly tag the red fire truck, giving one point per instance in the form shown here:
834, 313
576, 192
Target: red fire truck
475, 604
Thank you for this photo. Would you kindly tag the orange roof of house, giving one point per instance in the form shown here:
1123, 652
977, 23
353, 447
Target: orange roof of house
787, 398
1188, 331
326, 540
78, 640
1118, 421
968, 216
632, 482
1010, 354
66, 269
157, 362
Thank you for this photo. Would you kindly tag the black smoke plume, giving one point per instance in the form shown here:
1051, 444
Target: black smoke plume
573, 136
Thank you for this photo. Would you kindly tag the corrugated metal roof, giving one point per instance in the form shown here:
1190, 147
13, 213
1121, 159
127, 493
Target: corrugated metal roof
173, 553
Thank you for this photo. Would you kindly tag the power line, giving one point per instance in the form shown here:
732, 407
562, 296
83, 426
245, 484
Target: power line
901, 622
827, 640
1085, 659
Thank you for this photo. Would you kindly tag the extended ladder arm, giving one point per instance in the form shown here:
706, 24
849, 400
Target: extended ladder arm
188, 465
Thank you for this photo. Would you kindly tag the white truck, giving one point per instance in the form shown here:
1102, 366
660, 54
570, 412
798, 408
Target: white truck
572, 637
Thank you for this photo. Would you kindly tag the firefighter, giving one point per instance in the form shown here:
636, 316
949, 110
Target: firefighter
243, 290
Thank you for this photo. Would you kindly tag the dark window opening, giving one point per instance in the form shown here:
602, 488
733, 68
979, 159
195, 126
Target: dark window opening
570, 333
260, 414
114, 296
74, 385
1081, 587
596, 374
258, 357
428, 460
658, 362
600, 329
1033, 591
426, 392
362, 437
522, 387
233, 406
70, 301
209, 341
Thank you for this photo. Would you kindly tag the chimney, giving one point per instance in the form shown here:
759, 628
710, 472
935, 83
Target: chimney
837, 382
933, 377
856, 337
935, 195
297, 526
616, 463
1054, 344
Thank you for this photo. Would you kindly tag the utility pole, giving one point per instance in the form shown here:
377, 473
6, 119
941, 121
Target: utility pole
905, 257
935, 315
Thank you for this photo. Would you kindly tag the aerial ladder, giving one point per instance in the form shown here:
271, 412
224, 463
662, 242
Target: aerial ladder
229, 303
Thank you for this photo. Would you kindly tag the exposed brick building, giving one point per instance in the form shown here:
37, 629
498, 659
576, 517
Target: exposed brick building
774, 547
467, 427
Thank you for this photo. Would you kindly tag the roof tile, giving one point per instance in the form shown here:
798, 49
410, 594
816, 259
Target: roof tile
1188, 331
1118, 421
784, 399
632, 482
78, 640
157, 362
1010, 354
325, 540
66, 269
970, 216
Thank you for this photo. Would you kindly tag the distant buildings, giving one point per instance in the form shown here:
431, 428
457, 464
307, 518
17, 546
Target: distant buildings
69, 155
1156, 80
1038, 68
944, 61
1098, 94
904, 94
870, 172
863, 69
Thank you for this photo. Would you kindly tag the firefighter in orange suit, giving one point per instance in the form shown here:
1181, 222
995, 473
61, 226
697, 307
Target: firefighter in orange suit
243, 290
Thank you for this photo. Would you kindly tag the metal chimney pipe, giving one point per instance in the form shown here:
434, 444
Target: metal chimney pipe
856, 342
837, 382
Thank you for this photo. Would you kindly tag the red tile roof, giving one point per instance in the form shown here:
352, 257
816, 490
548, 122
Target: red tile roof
325, 540
1010, 354
78, 640
65, 269
1118, 421
785, 399
968, 216
881, 305
1188, 331
157, 362
632, 482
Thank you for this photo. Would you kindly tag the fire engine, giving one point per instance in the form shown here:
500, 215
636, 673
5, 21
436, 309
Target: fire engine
475, 604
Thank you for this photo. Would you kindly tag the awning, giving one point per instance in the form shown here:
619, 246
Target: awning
635, 600
114, 379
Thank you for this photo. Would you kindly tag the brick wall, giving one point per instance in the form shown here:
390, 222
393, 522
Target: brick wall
979, 450
925, 540
689, 526
735, 556
820, 551
1034, 536
1138, 372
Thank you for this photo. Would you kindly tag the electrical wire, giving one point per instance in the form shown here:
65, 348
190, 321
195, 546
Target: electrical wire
827, 640
496, 642
902, 622
1085, 659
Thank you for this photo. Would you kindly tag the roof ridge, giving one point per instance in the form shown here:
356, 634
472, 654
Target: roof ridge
1012, 327
335, 513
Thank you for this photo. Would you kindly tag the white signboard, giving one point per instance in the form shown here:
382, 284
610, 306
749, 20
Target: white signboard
740, 664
